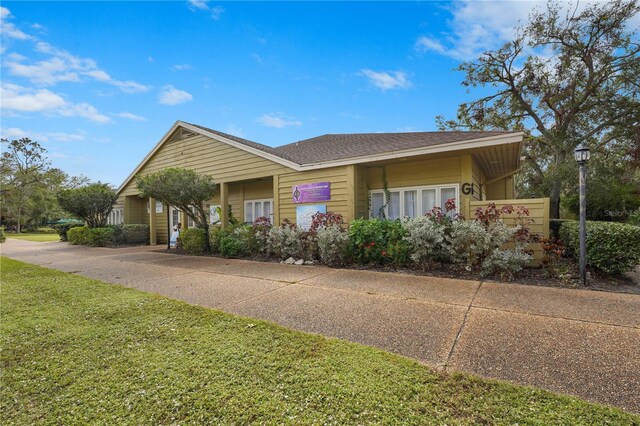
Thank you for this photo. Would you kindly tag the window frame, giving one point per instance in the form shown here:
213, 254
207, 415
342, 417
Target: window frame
418, 189
252, 202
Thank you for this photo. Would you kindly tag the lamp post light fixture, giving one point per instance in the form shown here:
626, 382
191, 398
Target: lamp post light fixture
581, 154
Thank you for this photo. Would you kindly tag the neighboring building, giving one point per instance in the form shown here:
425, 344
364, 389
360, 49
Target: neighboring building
343, 173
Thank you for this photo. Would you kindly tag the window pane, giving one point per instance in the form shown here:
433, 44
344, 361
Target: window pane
394, 205
257, 209
267, 210
377, 201
410, 203
446, 194
428, 200
248, 212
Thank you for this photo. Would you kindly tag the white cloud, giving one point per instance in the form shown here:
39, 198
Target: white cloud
232, 129
17, 133
198, 4
478, 26
277, 120
181, 67
216, 12
130, 116
387, 80
63, 66
8, 29
17, 98
169, 95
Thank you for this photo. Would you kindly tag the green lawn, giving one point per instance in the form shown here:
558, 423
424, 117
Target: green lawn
34, 237
79, 351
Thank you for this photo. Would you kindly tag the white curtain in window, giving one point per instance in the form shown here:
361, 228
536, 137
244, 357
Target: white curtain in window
410, 203
257, 210
446, 194
394, 205
428, 200
248, 212
377, 201
267, 210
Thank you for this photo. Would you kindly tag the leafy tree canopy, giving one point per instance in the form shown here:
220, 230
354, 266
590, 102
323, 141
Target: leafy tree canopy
181, 188
567, 77
92, 203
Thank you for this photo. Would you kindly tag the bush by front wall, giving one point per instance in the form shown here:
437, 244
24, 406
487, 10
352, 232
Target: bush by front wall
131, 234
62, 229
94, 237
376, 241
3, 237
192, 241
611, 247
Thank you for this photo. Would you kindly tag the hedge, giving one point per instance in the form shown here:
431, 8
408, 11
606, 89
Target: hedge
131, 234
612, 247
63, 228
3, 237
94, 237
192, 240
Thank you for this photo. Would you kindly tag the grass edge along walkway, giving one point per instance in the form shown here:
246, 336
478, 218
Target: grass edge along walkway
77, 351
37, 237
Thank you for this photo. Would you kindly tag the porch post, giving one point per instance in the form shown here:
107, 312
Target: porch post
153, 234
224, 204
276, 200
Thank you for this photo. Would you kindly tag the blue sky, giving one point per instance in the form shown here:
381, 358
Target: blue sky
99, 83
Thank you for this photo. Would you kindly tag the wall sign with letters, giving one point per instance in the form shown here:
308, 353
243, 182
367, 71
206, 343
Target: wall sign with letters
311, 192
468, 188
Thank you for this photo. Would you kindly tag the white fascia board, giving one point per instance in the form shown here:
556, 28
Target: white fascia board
445, 147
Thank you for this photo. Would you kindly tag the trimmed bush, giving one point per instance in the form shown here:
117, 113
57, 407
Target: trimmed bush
44, 230
3, 237
612, 247
78, 235
376, 241
131, 234
333, 245
94, 237
285, 241
63, 229
427, 241
193, 240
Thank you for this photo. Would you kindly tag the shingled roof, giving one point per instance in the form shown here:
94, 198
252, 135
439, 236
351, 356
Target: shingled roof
332, 147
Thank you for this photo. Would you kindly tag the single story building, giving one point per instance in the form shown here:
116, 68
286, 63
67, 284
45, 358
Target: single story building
342, 173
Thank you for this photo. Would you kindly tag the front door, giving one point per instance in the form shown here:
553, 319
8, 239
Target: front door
174, 216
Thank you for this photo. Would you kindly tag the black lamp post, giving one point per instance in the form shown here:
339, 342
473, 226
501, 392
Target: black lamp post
581, 154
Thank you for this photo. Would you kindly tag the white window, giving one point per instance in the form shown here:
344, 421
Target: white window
175, 216
190, 222
254, 209
116, 217
411, 202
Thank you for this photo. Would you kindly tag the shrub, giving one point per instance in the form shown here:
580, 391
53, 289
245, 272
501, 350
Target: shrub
131, 234
44, 230
505, 262
193, 241
78, 235
63, 228
285, 241
427, 240
3, 236
376, 241
333, 244
612, 247
100, 237
634, 217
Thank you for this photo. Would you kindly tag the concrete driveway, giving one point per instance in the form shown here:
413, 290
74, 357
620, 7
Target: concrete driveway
578, 342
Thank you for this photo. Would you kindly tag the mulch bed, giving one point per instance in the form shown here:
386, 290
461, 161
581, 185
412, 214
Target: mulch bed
542, 277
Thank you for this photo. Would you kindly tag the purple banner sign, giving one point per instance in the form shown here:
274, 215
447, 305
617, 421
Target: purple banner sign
311, 192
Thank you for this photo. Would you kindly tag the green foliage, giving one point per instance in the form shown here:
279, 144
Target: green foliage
612, 247
634, 218
564, 79
63, 228
92, 203
131, 234
378, 242
43, 230
333, 245
181, 188
93, 237
193, 241
232, 247
130, 357
3, 237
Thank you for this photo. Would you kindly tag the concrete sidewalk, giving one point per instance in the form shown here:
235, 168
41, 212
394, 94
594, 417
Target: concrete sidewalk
578, 342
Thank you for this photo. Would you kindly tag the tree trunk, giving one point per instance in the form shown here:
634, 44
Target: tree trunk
18, 218
554, 207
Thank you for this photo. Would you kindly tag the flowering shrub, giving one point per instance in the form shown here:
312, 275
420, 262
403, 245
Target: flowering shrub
285, 241
505, 262
323, 220
260, 230
377, 241
427, 240
333, 244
